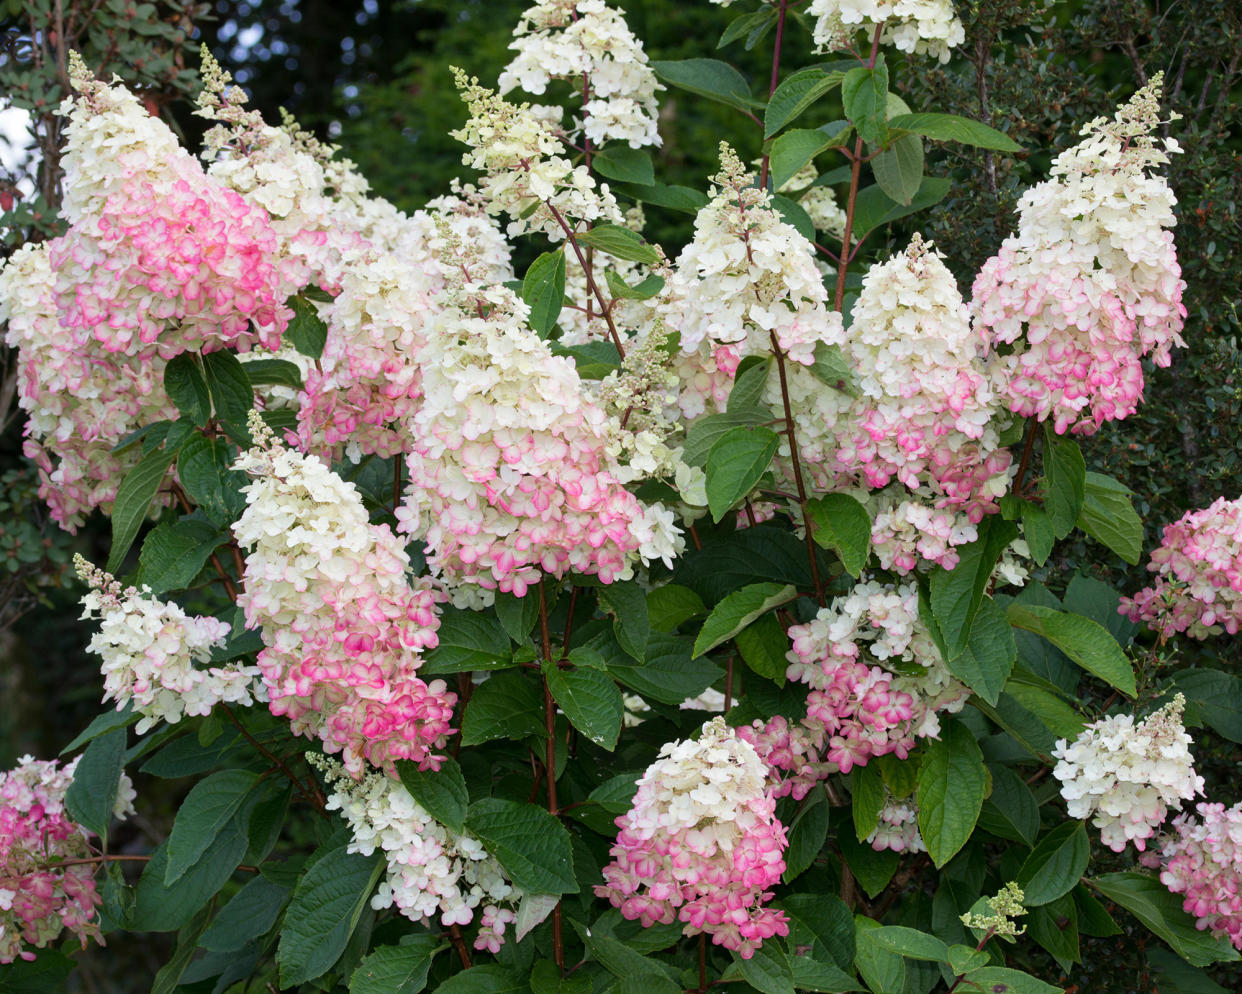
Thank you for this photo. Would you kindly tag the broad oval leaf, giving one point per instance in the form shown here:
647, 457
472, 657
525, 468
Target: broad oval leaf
531, 845
709, 78
1056, 865
591, 702
1087, 643
543, 289
442, 792
734, 465
841, 523
203, 815
951, 127
738, 610
619, 242
92, 793
952, 781
795, 95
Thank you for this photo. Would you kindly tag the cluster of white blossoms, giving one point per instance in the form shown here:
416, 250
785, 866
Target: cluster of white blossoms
745, 278
434, 874
524, 173
923, 26
343, 621
1090, 283
1127, 775
149, 650
898, 827
511, 470
588, 43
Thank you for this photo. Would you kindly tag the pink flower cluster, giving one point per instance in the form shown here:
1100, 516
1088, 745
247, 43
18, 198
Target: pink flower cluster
342, 621
158, 259
1203, 862
1198, 567
702, 844
1090, 283
39, 899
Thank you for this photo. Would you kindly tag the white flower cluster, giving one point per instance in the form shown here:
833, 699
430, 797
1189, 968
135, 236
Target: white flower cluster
1127, 775
588, 43
434, 874
745, 277
1090, 283
525, 175
149, 650
924, 26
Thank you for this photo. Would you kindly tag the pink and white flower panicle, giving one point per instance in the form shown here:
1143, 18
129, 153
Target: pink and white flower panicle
1203, 862
343, 621
1127, 775
702, 844
39, 899
1198, 567
149, 650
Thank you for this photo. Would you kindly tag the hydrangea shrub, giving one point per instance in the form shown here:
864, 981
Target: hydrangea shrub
640, 619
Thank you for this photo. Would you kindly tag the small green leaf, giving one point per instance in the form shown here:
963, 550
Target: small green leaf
842, 524
756, 23
326, 905
1087, 643
624, 164
186, 388
738, 610
92, 794
441, 792
795, 95
956, 594
530, 844
952, 781
643, 290
768, 970
794, 149
910, 943
807, 835
619, 242
709, 78
232, 396
594, 360
1109, 517
707, 431
734, 465
543, 289
133, 500
174, 553
518, 614
832, 368
591, 702
307, 331
748, 384
950, 127
627, 603
1056, 865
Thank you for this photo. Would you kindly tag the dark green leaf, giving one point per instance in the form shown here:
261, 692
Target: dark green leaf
763, 645
807, 835
677, 198
517, 614
1002, 980
1087, 643
133, 500
543, 289
92, 794
106, 722
1216, 698
168, 978
1056, 865
232, 396
866, 798
486, 979
824, 922
794, 215
174, 553
707, 431
1161, 911
48, 971
250, 913
594, 360
326, 905
746, 26
531, 845
874, 207
767, 970
1065, 481
793, 150
709, 78
734, 465
624, 164
672, 604
950, 127
643, 290
627, 603
442, 792
952, 781
273, 372
507, 705
204, 473
832, 368
985, 664
738, 610
158, 908
1011, 810
203, 815
669, 674
393, 970
748, 384
186, 388
469, 640
883, 970
1099, 601
899, 169
591, 702
956, 594
910, 943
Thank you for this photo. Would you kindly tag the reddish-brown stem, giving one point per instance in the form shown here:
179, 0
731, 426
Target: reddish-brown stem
1026, 456
549, 724
312, 797
694, 537
460, 945
183, 499
855, 172
728, 698
117, 858
569, 621
702, 963
776, 69
590, 277
794, 457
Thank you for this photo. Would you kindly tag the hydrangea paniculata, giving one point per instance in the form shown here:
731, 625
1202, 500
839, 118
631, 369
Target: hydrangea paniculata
1128, 775
922, 26
343, 621
702, 844
1198, 567
1090, 283
1203, 862
38, 898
